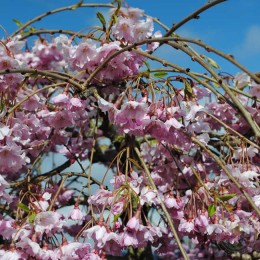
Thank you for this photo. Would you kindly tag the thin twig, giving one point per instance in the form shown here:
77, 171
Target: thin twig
58, 31
234, 131
66, 8
167, 215
194, 15
229, 175
32, 94
234, 99
228, 57
46, 73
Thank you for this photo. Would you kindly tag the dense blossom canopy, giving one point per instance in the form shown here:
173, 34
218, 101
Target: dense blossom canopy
182, 146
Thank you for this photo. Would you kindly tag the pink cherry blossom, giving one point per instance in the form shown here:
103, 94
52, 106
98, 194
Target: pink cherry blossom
94, 132
12, 157
4, 131
48, 222
75, 213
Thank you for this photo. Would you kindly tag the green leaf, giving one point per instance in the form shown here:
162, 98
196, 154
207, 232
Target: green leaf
210, 61
116, 217
135, 201
31, 216
146, 74
18, 23
114, 18
77, 5
228, 207
227, 196
160, 74
211, 210
101, 19
32, 29
23, 207
188, 91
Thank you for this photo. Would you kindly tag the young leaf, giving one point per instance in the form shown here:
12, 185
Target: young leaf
146, 74
77, 5
188, 91
227, 196
213, 63
31, 216
18, 23
101, 19
228, 207
210, 61
116, 217
160, 74
23, 207
211, 210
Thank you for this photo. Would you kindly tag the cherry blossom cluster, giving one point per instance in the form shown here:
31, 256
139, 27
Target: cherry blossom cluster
185, 162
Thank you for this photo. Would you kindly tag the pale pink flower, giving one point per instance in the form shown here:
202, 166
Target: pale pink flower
73, 250
255, 90
107, 107
123, 29
15, 45
84, 56
97, 233
201, 92
199, 126
4, 131
12, 158
42, 203
75, 104
204, 138
117, 208
132, 13
186, 225
75, 213
148, 196
143, 29
48, 222
202, 221
215, 228
3, 183
65, 196
11, 255
250, 151
191, 110
117, 181
60, 99
33, 249
7, 228
133, 224
101, 197
154, 45
241, 80
23, 232
172, 202
113, 243
256, 200
130, 239
6, 62
172, 122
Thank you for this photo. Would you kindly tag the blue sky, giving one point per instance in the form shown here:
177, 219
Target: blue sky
232, 26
